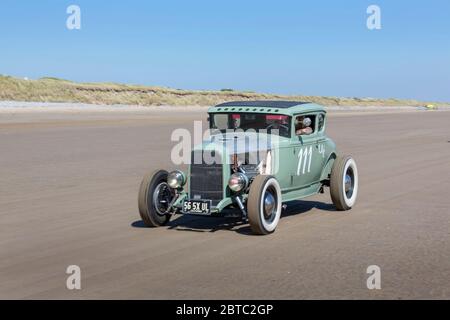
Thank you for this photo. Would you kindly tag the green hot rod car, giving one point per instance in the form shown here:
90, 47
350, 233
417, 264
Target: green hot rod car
260, 155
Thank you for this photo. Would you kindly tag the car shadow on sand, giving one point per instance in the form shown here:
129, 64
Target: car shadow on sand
212, 224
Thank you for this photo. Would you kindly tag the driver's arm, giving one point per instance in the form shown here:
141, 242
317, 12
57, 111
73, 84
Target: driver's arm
308, 130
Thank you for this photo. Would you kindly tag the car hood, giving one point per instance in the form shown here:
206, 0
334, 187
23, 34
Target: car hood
242, 142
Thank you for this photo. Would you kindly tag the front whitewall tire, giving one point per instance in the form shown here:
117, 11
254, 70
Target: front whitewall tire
264, 204
270, 225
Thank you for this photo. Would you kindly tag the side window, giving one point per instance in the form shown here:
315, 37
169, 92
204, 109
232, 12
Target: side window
305, 125
321, 121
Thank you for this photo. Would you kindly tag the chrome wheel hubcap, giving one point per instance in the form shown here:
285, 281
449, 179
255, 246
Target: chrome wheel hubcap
269, 204
162, 196
349, 183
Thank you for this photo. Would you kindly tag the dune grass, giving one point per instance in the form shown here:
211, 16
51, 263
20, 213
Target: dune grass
58, 90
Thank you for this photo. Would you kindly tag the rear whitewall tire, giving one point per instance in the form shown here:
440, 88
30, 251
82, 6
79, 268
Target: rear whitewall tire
350, 199
344, 183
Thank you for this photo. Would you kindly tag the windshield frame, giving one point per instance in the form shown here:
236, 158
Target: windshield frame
230, 118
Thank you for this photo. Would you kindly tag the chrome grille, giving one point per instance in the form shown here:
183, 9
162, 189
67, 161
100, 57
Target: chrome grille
206, 181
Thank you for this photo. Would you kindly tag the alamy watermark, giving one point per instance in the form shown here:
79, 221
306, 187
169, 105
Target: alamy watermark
374, 280
73, 281
73, 21
374, 20
254, 144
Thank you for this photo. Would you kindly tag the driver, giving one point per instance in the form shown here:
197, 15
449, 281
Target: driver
277, 122
303, 126
275, 125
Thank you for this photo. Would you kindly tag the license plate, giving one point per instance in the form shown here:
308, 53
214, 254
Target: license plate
202, 207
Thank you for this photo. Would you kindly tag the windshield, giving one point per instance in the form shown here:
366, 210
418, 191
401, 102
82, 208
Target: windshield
268, 123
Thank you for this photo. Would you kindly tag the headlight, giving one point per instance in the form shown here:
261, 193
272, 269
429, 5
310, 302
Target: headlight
238, 181
176, 179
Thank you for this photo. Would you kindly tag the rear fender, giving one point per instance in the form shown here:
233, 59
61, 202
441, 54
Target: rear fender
326, 171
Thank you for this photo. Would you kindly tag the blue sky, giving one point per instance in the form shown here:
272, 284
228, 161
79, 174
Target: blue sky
291, 47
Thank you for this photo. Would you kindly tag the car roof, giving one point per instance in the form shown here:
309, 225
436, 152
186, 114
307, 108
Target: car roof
262, 104
267, 106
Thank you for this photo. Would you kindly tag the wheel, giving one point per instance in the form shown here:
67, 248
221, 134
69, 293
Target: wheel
264, 204
344, 183
154, 198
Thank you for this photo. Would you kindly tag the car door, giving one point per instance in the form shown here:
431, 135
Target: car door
320, 158
307, 154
